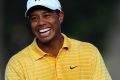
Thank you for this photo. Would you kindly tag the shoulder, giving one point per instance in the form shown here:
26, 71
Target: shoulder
82, 44
85, 50
84, 47
20, 57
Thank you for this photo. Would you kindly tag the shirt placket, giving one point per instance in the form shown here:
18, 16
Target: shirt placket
59, 68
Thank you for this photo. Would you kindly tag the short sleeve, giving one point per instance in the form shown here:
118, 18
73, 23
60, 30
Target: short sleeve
101, 72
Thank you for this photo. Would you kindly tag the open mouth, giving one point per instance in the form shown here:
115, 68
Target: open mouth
44, 32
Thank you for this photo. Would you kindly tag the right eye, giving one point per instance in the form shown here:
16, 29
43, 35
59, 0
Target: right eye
34, 18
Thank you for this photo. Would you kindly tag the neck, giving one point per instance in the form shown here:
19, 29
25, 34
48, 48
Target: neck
52, 48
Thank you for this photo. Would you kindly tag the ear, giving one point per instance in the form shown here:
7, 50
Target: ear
61, 16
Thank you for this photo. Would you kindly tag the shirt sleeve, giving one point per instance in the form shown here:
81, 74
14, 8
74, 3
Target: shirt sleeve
101, 72
14, 70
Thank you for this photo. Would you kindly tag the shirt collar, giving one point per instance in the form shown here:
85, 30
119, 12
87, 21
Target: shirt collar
37, 53
66, 43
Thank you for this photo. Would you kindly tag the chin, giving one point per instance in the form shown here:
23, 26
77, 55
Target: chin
46, 40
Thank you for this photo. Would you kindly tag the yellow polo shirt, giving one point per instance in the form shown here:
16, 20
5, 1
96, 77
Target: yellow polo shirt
76, 60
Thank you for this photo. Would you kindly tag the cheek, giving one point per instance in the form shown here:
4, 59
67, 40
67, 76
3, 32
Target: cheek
55, 22
33, 25
33, 28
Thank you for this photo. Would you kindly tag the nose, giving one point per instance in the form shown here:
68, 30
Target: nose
41, 21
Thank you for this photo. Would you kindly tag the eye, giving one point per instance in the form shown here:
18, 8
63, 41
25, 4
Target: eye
34, 18
47, 15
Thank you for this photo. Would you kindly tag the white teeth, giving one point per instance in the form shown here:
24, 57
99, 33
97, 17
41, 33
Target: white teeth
44, 30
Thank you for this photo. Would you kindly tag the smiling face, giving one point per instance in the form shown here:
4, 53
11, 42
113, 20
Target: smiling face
45, 24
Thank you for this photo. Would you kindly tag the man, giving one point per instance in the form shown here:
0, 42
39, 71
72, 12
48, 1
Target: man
52, 55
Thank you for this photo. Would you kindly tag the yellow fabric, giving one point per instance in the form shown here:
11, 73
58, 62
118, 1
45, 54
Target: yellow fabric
76, 61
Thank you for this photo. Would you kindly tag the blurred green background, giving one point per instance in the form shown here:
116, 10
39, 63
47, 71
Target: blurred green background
94, 21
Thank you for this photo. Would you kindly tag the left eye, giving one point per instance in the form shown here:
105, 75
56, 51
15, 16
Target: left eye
47, 15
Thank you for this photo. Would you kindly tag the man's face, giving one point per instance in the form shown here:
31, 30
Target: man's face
45, 24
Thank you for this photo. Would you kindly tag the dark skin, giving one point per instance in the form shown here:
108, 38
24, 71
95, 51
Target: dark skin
45, 25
